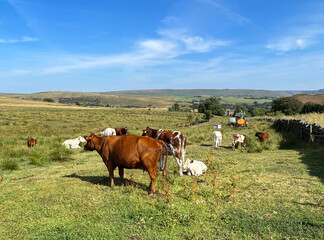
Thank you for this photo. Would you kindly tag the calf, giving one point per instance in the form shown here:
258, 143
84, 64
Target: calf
73, 143
217, 138
194, 168
262, 136
31, 142
121, 131
175, 141
108, 132
238, 138
129, 152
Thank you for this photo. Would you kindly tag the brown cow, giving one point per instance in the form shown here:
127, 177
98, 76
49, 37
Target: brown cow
175, 141
31, 142
121, 131
129, 152
262, 136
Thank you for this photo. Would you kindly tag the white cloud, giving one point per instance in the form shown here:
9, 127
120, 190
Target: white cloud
289, 43
29, 39
24, 39
298, 39
192, 43
157, 46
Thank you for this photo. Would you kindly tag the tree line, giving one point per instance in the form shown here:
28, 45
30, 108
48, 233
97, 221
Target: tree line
281, 106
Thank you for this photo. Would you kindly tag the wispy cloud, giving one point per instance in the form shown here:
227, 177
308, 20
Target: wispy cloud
192, 43
23, 39
147, 52
228, 12
289, 44
298, 38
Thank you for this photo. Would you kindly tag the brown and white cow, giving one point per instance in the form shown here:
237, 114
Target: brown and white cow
175, 141
262, 136
238, 138
31, 142
121, 131
128, 152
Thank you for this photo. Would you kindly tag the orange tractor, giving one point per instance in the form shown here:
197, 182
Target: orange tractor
238, 120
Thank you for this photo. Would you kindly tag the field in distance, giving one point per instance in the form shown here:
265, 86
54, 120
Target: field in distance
150, 99
269, 191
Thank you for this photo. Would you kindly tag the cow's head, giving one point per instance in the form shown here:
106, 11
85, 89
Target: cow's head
124, 131
81, 139
147, 131
90, 145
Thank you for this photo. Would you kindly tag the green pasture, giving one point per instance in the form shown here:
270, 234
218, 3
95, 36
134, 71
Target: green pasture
269, 191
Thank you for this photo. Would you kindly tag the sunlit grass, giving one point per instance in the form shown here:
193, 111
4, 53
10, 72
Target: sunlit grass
271, 190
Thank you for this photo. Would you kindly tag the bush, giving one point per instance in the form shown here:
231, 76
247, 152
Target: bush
287, 105
37, 157
312, 107
9, 164
60, 153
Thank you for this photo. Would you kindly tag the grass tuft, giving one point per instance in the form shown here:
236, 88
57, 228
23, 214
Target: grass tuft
9, 164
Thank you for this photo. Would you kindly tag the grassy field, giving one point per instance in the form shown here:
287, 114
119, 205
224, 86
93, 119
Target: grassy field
269, 191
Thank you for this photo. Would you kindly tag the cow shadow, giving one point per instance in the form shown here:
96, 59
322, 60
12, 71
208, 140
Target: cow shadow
206, 145
104, 181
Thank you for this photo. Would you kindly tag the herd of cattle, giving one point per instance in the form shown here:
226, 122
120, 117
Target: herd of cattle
119, 149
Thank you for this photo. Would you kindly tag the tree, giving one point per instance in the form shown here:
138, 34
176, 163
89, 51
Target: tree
208, 115
239, 109
312, 107
175, 107
257, 112
213, 105
287, 105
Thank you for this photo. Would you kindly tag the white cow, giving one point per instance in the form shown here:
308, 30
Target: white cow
217, 139
194, 167
73, 143
109, 132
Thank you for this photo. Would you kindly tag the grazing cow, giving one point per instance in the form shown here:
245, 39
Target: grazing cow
109, 132
129, 152
121, 131
194, 168
262, 136
73, 143
175, 141
238, 138
217, 138
31, 142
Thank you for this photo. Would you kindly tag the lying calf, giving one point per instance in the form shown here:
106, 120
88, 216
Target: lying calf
194, 167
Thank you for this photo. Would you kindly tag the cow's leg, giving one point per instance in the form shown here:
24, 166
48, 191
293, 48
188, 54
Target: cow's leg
152, 172
179, 161
121, 175
233, 146
111, 173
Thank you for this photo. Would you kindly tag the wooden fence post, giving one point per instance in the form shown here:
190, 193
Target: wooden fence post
310, 132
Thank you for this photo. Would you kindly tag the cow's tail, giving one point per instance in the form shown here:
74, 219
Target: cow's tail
166, 157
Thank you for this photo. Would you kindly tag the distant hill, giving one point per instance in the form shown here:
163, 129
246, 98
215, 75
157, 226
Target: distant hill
205, 93
315, 98
294, 92
155, 98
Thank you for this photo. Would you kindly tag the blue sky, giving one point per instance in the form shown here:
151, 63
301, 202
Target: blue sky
105, 45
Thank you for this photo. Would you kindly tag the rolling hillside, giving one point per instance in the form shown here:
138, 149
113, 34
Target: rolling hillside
205, 92
315, 98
